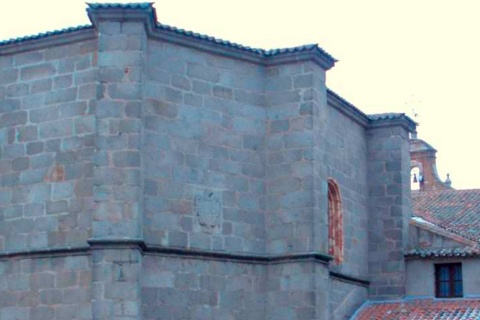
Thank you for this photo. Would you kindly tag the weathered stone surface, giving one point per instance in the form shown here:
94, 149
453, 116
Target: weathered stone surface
128, 137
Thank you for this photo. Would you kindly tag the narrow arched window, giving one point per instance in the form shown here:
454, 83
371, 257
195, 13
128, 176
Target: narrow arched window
415, 178
335, 222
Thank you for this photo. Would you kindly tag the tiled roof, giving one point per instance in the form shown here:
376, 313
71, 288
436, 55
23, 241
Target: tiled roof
44, 34
446, 252
343, 100
179, 31
386, 116
457, 211
132, 5
258, 51
422, 309
420, 145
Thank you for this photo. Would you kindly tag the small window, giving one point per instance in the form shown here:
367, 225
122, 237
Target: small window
335, 222
448, 280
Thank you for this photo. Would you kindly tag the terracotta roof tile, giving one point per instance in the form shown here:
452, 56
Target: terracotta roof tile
442, 253
457, 211
422, 309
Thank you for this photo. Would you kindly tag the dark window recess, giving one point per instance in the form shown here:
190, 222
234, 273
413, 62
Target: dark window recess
448, 280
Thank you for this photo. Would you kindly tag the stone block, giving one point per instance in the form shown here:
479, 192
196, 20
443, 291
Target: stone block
8, 76
63, 81
27, 133
17, 90
254, 143
55, 129
73, 109
55, 207
20, 164
13, 119
161, 108
29, 177
36, 72
43, 114
127, 91
42, 85
201, 72
61, 95
9, 105
119, 58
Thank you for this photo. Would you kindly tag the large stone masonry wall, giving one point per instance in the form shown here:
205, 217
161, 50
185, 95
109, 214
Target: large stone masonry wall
291, 97
47, 132
42, 288
345, 160
390, 209
204, 151
179, 288
194, 183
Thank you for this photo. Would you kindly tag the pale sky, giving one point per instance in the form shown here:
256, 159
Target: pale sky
393, 55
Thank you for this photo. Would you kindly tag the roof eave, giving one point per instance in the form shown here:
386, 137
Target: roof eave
47, 40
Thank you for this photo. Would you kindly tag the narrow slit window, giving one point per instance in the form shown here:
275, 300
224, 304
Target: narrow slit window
335, 222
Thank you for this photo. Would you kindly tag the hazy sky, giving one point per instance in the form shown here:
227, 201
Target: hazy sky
393, 55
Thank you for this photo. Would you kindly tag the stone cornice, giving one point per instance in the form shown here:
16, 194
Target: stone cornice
45, 252
349, 279
138, 244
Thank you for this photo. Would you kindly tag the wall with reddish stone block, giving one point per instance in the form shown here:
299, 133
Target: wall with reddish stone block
47, 133
172, 177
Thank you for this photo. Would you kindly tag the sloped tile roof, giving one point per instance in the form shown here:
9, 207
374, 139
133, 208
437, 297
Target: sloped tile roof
445, 252
422, 309
258, 51
44, 34
386, 116
179, 31
131, 5
457, 211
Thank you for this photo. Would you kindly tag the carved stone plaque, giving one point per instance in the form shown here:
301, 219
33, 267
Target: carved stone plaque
208, 210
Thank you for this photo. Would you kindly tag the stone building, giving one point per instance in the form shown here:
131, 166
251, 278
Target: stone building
443, 252
149, 172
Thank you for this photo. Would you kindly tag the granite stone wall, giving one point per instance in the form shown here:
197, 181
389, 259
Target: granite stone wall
345, 299
46, 288
345, 160
204, 151
47, 141
390, 210
179, 288
146, 173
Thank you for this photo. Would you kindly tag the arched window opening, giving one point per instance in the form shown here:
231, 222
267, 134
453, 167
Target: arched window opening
415, 178
335, 222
